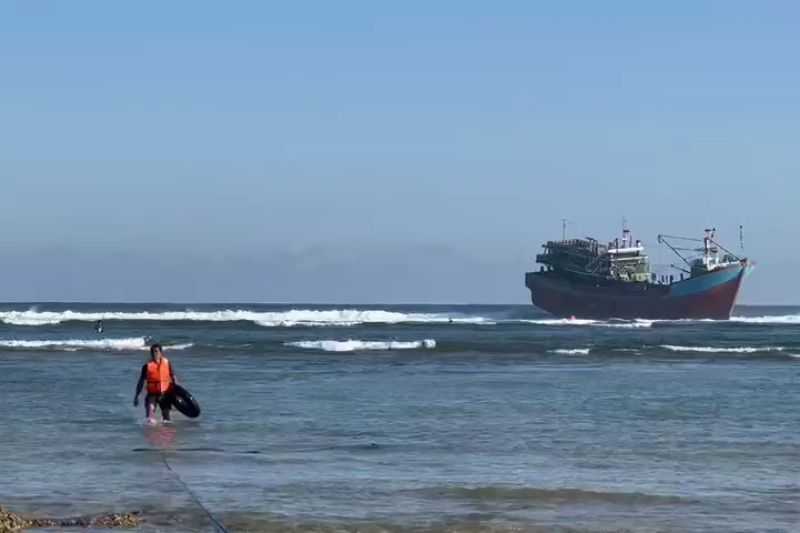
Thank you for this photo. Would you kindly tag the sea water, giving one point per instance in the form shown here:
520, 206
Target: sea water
405, 418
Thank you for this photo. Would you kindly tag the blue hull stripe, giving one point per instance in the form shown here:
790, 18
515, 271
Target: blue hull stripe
706, 282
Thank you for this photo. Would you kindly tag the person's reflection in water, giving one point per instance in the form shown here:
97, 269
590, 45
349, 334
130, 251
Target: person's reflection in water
161, 437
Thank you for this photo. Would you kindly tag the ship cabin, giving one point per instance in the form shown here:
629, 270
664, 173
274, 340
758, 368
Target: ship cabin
620, 260
710, 260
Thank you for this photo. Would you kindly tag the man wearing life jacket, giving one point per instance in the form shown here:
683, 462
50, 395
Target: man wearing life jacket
159, 376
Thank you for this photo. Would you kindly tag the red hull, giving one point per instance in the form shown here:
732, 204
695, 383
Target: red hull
711, 295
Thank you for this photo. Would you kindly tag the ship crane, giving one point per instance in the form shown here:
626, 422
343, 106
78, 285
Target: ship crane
709, 251
662, 239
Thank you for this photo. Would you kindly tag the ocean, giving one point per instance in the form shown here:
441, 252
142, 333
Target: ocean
405, 418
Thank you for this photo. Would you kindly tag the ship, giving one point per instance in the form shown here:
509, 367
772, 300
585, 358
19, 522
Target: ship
583, 278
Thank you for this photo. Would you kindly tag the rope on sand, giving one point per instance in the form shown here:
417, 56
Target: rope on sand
217, 524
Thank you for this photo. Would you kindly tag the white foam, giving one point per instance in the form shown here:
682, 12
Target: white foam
721, 349
561, 321
333, 317
183, 346
294, 317
646, 323
71, 345
768, 319
573, 351
352, 345
638, 323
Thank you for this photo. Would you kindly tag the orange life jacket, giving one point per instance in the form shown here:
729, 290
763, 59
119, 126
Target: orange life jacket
159, 377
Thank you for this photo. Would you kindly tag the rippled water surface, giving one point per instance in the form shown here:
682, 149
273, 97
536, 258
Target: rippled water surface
405, 418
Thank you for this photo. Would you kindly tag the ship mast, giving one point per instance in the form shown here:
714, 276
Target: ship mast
741, 237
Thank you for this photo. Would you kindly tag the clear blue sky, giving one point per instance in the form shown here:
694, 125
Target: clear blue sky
384, 152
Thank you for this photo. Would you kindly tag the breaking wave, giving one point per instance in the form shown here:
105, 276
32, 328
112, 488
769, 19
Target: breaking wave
768, 319
352, 345
349, 317
638, 323
722, 349
71, 345
560, 321
572, 351
294, 317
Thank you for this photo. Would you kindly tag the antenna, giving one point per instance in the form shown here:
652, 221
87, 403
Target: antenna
563, 229
626, 236
741, 237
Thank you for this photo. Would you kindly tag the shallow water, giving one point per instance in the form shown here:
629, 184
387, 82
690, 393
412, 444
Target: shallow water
404, 420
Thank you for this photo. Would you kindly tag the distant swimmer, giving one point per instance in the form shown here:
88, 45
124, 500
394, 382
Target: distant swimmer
160, 377
98, 326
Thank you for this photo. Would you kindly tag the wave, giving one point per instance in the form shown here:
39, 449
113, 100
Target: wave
297, 317
638, 323
294, 317
352, 345
648, 323
768, 319
722, 349
559, 321
348, 317
572, 351
71, 345
562, 496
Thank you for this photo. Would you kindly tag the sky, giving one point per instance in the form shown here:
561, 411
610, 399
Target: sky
367, 152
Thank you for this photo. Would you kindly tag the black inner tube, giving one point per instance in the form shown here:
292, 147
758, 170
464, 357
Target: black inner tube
184, 402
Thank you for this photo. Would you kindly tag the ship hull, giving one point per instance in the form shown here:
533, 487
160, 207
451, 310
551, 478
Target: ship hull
711, 295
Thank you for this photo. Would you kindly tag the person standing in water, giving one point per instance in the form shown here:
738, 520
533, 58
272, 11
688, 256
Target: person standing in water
160, 377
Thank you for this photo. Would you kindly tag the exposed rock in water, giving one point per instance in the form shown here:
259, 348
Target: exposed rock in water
117, 520
12, 523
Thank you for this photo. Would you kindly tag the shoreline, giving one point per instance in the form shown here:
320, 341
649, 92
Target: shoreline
11, 522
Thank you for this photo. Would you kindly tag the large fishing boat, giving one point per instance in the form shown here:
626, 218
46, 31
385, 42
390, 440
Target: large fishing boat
583, 278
